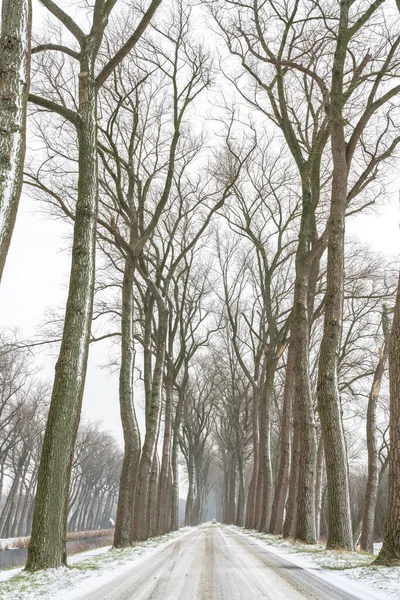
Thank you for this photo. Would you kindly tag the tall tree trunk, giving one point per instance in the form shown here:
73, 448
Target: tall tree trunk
303, 403
329, 406
175, 447
318, 488
282, 483
48, 542
371, 492
231, 509
289, 524
190, 493
15, 50
239, 519
175, 487
251, 494
265, 441
151, 517
163, 505
140, 525
126, 496
390, 551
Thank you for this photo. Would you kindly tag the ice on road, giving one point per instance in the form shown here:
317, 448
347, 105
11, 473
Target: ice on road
213, 562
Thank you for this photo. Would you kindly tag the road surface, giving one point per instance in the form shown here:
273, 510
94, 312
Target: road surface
213, 562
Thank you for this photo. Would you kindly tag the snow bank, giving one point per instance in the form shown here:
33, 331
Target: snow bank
351, 571
87, 571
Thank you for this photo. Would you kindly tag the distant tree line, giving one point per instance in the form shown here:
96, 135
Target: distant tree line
96, 466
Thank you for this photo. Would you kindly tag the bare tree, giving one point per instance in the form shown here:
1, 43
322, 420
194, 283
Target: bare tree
47, 547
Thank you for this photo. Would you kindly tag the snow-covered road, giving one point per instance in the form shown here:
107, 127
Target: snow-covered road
213, 562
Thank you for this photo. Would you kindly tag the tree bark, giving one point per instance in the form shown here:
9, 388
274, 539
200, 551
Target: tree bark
251, 495
15, 50
303, 404
126, 496
151, 516
282, 483
163, 494
371, 493
265, 442
190, 493
140, 524
318, 488
289, 524
390, 551
175, 444
239, 519
48, 541
329, 406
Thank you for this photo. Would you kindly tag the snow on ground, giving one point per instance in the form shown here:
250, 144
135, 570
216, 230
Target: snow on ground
334, 565
87, 571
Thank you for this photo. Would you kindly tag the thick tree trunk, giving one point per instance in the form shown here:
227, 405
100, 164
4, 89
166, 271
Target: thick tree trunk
126, 497
47, 547
303, 404
329, 407
390, 551
15, 49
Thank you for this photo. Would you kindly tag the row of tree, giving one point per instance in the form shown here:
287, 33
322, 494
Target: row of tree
96, 466
129, 157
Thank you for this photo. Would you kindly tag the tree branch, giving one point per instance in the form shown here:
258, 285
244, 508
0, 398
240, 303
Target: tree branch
65, 19
64, 112
56, 48
127, 47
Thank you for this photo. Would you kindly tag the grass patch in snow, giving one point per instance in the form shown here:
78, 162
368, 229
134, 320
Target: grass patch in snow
334, 560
